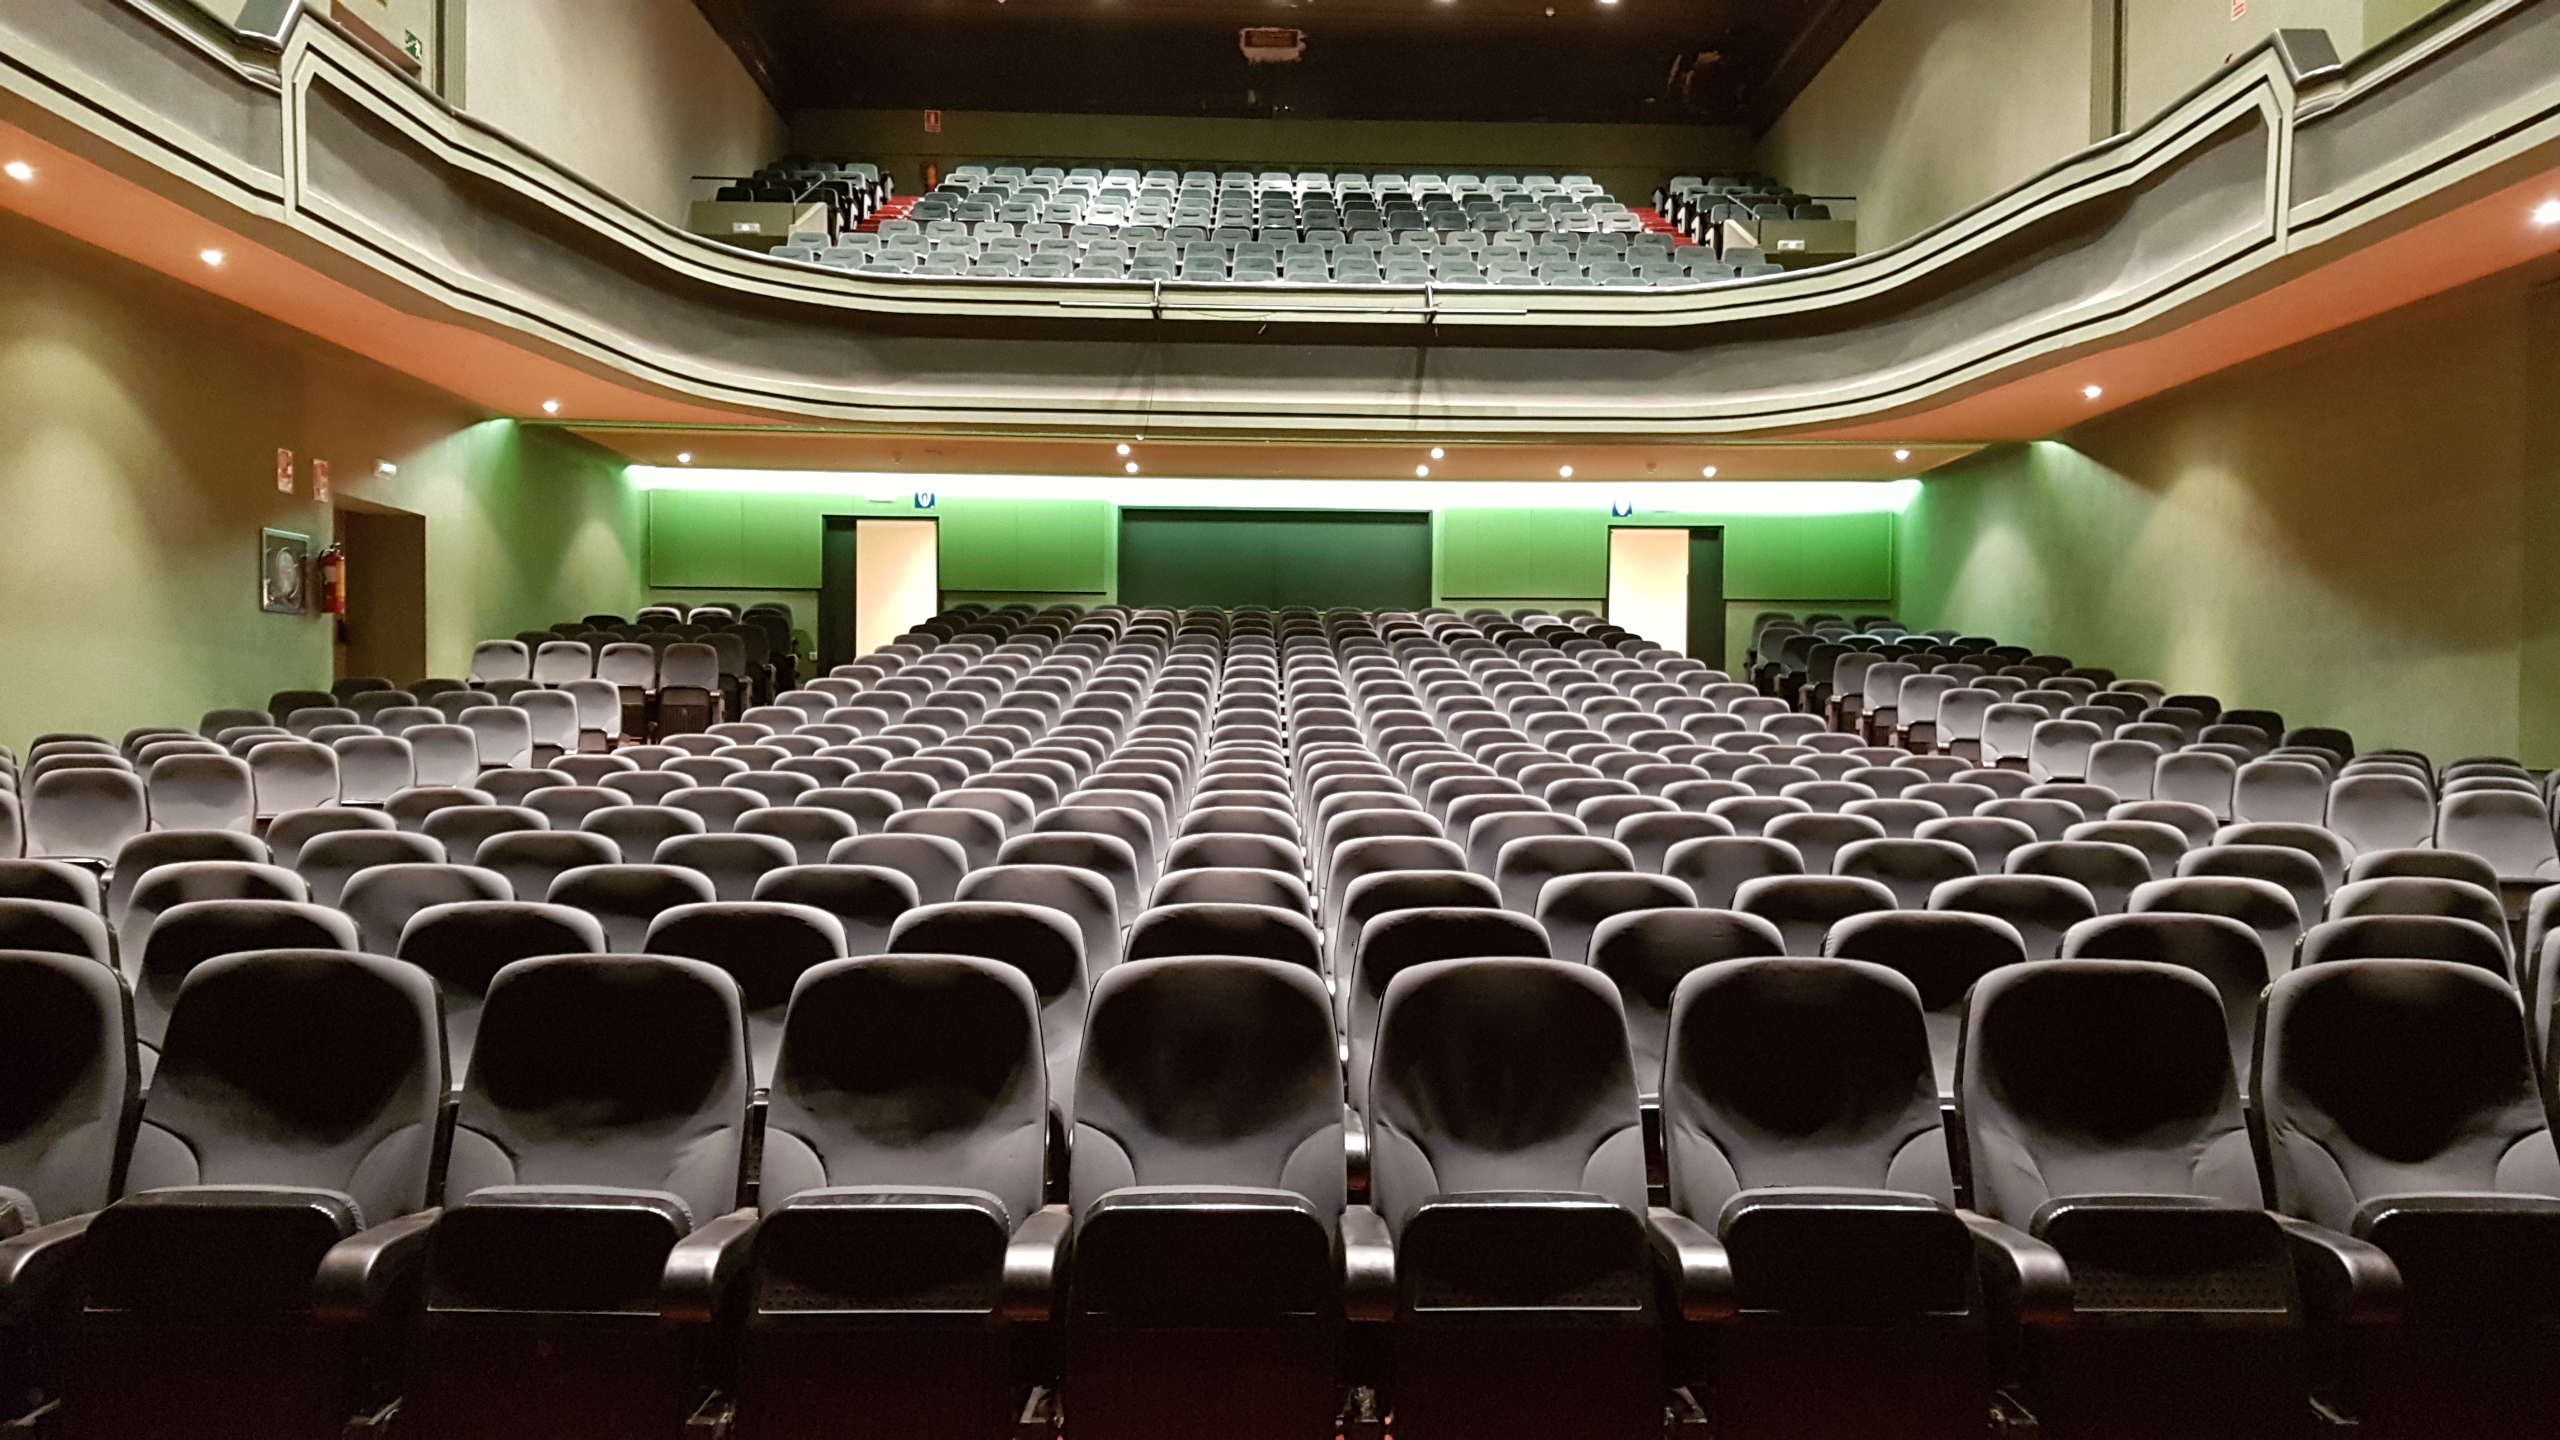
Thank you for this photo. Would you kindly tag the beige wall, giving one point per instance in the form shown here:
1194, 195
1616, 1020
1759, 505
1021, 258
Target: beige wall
1934, 106
637, 96
137, 467
2346, 532
1629, 159
2172, 46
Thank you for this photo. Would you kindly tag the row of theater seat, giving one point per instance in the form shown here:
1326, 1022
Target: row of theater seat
1437, 844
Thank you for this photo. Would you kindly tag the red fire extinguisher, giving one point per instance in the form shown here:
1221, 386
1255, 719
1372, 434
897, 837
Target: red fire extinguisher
333, 581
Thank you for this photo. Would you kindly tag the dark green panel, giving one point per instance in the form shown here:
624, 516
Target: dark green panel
1275, 557
694, 538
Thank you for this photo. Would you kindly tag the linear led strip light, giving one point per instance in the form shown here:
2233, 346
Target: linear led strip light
1703, 497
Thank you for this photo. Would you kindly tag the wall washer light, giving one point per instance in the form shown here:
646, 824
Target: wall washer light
1723, 497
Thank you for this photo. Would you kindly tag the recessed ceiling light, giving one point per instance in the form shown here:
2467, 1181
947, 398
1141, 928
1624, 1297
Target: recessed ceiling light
2092, 392
1709, 472
2546, 213
1901, 454
1131, 467
1566, 472
685, 458
1124, 449
1439, 454
1422, 472
210, 257
550, 407
20, 171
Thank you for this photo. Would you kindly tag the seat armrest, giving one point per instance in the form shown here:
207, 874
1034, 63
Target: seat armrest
1033, 1261
1355, 1154
37, 1265
360, 1274
1368, 1266
2024, 1278
704, 1267
2343, 1280
1694, 1262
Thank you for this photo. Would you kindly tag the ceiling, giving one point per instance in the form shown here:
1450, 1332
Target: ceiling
1688, 62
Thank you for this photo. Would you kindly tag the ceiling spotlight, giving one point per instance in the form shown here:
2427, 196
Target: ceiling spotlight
550, 407
2091, 392
20, 171
1124, 449
1131, 467
1901, 454
684, 457
1709, 472
2546, 213
210, 257
1566, 472
1439, 454
1422, 472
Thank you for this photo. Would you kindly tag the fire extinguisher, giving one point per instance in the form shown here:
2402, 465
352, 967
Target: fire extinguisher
333, 581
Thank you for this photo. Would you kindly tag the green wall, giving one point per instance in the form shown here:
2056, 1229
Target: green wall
137, 466
717, 540
707, 543
2353, 532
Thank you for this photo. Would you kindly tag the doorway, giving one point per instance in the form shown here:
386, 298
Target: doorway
877, 580
384, 632
1666, 583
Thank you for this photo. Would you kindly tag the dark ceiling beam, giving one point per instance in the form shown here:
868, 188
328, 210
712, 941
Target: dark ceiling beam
737, 29
1804, 57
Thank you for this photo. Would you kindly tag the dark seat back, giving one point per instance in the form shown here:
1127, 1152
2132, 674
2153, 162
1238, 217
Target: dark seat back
1502, 1075
618, 1071
302, 1069
67, 1080
910, 1070
1797, 1072
2099, 1077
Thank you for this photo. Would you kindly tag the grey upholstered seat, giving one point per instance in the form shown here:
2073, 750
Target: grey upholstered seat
1208, 1121
2102, 1116
295, 1106
2401, 1109
908, 1126
1942, 953
602, 1123
1800, 1120
1044, 944
764, 945
1503, 1124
